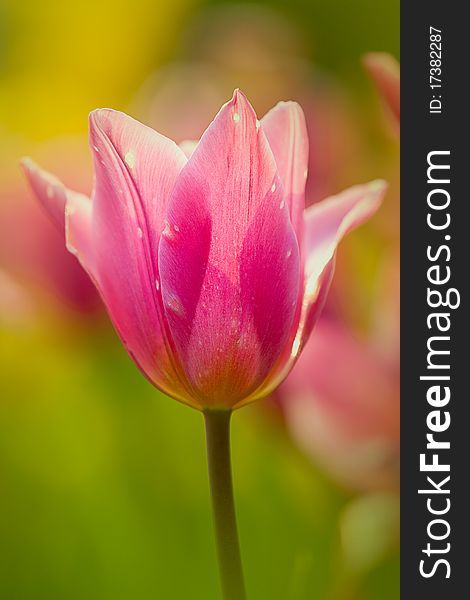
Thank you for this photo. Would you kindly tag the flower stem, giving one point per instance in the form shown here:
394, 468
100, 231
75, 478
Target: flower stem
223, 508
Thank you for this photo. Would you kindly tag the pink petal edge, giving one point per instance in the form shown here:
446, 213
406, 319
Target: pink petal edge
135, 171
384, 69
69, 210
286, 130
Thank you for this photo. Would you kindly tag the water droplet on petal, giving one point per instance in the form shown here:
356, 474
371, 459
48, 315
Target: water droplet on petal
289, 253
234, 324
296, 346
140, 233
129, 159
72, 249
282, 204
273, 188
157, 284
236, 117
243, 340
69, 210
168, 231
174, 304
311, 289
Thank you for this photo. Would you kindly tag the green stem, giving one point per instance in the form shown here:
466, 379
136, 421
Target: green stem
223, 508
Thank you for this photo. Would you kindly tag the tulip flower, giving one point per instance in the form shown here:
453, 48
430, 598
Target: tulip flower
211, 272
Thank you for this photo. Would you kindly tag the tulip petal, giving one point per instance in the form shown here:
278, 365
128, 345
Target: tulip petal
286, 130
326, 223
78, 231
49, 190
69, 210
135, 170
385, 72
229, 259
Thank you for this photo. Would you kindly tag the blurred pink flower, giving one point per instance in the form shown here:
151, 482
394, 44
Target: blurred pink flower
341, 401
384, 70
32, 251
341, 405
211, 272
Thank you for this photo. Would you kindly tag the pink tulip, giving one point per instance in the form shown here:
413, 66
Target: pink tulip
212, 272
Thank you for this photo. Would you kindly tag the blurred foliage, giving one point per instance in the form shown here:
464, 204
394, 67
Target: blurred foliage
103, 485
104, 491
